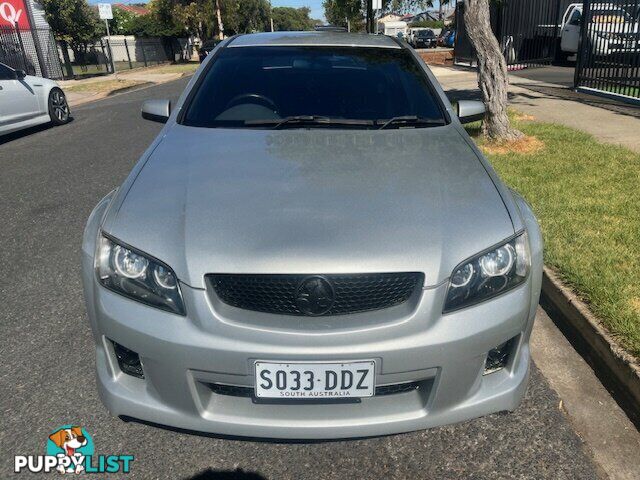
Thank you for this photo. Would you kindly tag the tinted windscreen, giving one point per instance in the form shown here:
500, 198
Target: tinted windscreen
246, 85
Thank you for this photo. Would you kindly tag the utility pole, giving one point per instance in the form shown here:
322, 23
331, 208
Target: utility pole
271, 15
219, 17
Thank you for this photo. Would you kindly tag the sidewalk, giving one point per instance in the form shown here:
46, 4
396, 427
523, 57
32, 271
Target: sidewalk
94, 88
542, 100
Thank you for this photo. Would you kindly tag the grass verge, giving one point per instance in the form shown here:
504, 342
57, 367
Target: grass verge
586, 196
109, 86
187, 68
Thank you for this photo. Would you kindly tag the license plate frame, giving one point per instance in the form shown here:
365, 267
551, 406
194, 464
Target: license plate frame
362, 384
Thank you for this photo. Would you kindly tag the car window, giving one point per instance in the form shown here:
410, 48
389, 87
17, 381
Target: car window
6, 73
246, 84
576, 16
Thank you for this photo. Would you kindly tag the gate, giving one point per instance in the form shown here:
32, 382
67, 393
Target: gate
527, 31
609, 54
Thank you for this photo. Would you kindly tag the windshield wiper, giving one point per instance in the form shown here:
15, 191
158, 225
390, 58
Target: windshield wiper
409, 121
307, 120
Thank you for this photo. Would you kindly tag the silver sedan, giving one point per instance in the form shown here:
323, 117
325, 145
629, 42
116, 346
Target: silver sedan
312, 247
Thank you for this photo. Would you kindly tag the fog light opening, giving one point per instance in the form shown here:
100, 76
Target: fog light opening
128, 360
498, 357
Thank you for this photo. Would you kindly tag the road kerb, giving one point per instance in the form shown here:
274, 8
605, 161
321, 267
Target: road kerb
618, 370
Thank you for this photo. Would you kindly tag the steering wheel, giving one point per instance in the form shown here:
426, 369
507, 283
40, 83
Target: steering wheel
253, 98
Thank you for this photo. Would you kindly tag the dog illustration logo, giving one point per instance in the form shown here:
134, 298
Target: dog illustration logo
73, 442
70, 449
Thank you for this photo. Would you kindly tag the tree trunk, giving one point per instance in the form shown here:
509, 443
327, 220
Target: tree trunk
492, 71
219, 18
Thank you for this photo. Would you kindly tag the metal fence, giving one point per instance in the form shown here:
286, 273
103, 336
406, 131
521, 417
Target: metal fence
36, 51
123, 53
609, 55
31, 50
527, 31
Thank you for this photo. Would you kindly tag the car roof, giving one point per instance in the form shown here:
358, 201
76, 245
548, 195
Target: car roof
313, 39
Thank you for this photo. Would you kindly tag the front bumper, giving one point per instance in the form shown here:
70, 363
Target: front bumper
183, 356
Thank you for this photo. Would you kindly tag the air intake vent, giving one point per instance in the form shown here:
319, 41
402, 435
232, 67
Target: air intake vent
315, 295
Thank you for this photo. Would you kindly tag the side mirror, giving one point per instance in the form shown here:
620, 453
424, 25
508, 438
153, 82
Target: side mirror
156, 110
471, 111
20, 74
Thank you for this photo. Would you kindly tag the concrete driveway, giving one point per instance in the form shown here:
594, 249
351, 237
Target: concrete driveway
50, 181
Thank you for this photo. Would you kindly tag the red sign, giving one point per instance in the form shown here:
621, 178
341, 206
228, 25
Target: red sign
13, 14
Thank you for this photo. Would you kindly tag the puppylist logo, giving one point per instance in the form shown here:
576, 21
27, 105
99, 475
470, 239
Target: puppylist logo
70, 449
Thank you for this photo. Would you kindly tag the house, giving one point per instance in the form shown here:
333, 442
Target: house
137, 9
425, 16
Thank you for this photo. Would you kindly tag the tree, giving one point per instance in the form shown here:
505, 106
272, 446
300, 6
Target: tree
492, 71
161, 21
197, 17
291, 19
339, 12
245, 16
427, 24
121, 22
74, 23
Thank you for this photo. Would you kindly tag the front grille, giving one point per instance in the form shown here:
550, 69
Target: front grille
282, 294
246, 392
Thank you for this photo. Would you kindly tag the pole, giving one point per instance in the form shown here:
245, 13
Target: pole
126, 47
219, 17
35, 35
271, 15
113, 65
370, 19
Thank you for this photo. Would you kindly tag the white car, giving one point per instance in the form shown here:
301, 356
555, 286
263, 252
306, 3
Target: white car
610, 30
26, 101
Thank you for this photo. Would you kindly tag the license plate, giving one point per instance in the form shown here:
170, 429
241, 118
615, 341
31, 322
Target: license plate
315, 380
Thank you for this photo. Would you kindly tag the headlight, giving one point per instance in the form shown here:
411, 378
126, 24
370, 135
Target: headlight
138, 276
489, 274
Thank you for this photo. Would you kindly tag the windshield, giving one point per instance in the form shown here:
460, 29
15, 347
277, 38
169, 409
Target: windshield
425, 33
258, 87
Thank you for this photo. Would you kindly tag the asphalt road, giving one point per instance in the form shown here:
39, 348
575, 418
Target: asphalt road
50, 179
